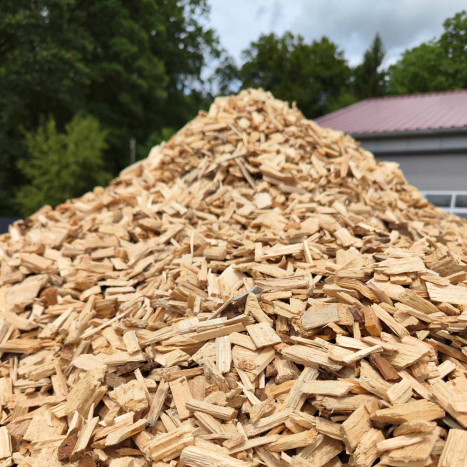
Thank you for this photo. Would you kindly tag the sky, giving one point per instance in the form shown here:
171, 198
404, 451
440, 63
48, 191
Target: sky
352, 24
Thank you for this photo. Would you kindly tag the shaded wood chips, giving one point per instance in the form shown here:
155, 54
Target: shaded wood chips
258, 291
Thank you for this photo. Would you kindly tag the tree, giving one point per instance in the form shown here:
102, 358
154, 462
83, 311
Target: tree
135, 66
453, 42
421, 69
438, 65
62, 165
41, 72
369, 77
145, 65
310, 74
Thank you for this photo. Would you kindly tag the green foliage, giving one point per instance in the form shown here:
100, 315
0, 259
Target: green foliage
310, 74
369, 78
62, 165
41, 72
418, 71
438, 65
135, 66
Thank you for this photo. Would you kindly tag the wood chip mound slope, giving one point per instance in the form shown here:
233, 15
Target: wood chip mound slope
258, 291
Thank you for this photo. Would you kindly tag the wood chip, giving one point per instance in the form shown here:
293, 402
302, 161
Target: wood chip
455, 450
263, 335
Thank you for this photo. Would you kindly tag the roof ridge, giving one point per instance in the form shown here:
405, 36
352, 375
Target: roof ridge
417, 94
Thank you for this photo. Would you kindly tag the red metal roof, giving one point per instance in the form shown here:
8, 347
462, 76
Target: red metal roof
415, 112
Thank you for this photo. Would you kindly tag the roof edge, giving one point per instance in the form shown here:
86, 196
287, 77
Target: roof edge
416, 94
393, 134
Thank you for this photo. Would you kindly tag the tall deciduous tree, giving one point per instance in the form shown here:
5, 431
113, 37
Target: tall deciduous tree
310, 74
438, 65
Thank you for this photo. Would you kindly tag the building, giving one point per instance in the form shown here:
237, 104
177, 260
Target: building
425, 133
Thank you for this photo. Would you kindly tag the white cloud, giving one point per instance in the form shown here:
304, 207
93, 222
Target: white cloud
352, 24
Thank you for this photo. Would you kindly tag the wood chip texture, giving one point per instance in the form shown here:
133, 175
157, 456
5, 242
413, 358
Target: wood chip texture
258, 291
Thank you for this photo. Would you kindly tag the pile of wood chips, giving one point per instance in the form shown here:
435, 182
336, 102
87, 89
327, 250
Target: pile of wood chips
258, 291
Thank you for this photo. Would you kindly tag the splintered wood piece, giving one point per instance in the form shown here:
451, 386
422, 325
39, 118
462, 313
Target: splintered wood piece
447, 350
401, 265
401, 392
406, 356
326, 388
5, 443
223, 354
297, 440
84, 393
253, 308
269, 458
84, 436
416, 426
389, 321
355, 426
268, 423
416, 410
388, 372
168, 446
372, 322
454, 294
320, 314
20, 346
125, 432
193, 456
445, 394
309, 357
213, 375
131, 342
223, 413
286, 370
180, 390
328, 428
366, 451
263, 335
413, 454
362, 354
44, 425
398, 442
157, 403
243, 340
455, 449
253, 443
296, 398
325, 451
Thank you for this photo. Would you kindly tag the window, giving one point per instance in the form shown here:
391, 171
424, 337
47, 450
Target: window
441, 201
454, 202
461, 201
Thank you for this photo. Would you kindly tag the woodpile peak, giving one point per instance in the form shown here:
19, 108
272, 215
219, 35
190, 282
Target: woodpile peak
258, 291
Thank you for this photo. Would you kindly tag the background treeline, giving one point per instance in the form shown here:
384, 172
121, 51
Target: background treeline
87, 86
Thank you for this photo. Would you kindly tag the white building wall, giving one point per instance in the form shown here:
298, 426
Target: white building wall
433, 171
